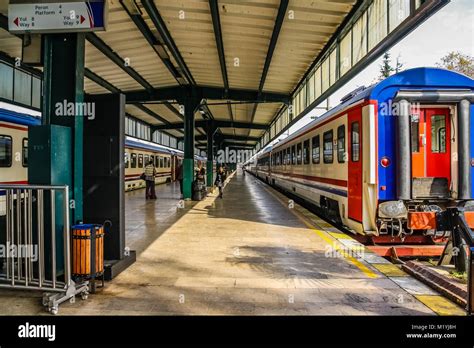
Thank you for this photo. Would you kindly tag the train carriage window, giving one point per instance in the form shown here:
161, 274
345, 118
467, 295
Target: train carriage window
341, 143
161, 162
168, 162
152, 159
293, 155
415, 132
298, 153
355, 142
280, 154
24, 151
306, 151
316, 149
328, 155
5, 151
140, 160
147, 159
133, 161
126, 160
157, 161
438, 134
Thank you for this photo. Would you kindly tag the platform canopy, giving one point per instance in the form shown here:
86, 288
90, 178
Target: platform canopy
257, 65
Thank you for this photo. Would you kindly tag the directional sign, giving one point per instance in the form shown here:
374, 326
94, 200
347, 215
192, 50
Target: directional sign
57, 17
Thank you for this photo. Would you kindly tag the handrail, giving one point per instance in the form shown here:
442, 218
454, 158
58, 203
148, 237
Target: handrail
460, 227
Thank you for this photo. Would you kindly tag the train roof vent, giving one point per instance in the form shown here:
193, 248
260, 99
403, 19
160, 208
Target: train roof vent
353, 93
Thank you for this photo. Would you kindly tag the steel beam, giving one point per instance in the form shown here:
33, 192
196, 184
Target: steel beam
271, 49
206, 92
119, 61
100, 81
154, 43
217, 123
227, 136
151, 113
216, 22
160, 25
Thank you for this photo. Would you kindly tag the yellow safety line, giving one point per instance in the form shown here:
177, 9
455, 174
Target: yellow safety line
333, 242
440, 305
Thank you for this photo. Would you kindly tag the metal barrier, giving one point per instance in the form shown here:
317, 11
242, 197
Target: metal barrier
37, 242
462, 231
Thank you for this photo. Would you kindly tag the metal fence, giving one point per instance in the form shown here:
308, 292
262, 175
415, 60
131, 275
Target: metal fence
35, 232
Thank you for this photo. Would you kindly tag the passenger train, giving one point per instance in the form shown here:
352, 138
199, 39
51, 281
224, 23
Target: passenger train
14, 155
385, 160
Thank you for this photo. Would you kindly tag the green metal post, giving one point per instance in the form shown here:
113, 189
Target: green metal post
64, 84
210, 155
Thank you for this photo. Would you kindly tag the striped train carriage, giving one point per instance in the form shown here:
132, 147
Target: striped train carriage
13, 149
14, 155
138, 153
386, 159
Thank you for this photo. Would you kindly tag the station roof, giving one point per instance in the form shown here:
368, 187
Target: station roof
242, 39
239, 51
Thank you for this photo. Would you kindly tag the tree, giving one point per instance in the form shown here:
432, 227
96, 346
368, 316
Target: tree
398, 66
386, 68
459, 62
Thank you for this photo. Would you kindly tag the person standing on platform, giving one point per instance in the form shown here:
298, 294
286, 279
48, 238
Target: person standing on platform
220, 178
150, 174
179, 177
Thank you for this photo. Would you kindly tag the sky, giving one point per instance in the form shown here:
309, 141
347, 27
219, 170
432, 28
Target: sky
450, 29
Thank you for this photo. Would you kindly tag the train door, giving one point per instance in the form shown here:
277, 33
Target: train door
354, 183
417, 143
431, 153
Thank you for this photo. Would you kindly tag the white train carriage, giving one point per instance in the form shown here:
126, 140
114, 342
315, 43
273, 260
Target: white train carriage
387, 159
13, 149
138, 153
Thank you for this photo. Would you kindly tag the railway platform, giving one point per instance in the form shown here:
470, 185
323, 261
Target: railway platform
253, 252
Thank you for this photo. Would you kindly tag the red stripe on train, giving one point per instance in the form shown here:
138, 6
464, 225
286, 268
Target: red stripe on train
13, 127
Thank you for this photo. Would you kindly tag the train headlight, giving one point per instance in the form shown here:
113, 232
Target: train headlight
392, 210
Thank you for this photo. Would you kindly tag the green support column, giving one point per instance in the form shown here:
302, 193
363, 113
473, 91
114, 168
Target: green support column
190, 104
210, 155
64, 84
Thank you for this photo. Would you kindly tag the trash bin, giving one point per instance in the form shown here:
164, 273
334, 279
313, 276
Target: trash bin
199, 190
88, 252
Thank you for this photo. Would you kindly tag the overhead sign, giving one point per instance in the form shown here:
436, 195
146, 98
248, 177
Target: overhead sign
57, 17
